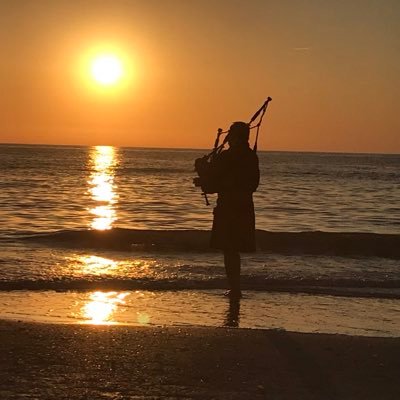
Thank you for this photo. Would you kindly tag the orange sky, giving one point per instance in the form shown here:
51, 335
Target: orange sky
332, 69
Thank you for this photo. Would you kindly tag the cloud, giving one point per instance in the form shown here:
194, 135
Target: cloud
301, 48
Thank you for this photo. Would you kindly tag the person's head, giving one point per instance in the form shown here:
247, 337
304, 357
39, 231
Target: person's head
238, 134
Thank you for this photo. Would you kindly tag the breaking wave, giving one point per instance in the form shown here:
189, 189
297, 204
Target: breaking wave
289, 243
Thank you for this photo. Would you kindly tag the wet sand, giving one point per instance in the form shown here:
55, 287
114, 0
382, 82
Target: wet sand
42, 361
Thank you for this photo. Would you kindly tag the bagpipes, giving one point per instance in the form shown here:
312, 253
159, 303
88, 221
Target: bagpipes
203, 165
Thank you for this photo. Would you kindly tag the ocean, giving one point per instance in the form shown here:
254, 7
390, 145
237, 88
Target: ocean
120, 235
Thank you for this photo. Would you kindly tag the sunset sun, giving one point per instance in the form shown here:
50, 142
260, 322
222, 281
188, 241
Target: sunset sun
107, 69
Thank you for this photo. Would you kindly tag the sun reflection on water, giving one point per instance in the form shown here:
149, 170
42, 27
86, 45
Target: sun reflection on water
95, 265
103, 161
90, 265
101, 306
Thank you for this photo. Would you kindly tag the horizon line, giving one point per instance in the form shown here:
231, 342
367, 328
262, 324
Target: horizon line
190, 148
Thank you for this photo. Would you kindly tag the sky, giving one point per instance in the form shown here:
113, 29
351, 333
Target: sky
192, 66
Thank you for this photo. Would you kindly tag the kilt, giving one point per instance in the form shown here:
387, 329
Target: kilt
234, 223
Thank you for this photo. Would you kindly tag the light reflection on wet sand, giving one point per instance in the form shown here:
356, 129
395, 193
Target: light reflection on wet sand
100, 307
105, 308
292, 312
103, 161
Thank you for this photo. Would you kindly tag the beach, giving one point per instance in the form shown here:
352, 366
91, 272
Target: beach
199, 200
45, 361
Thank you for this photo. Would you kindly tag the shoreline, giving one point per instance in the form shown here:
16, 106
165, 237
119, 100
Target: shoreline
48, 361
290, 312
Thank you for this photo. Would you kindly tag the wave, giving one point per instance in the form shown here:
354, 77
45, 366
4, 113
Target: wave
290, 243
343, 287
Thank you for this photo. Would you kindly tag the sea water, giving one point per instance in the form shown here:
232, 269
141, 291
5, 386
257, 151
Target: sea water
119, 235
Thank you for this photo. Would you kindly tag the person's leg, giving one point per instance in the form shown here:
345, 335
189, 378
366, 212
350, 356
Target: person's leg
232, 268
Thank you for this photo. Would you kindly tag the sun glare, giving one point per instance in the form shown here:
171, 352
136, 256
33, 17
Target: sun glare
107, 69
